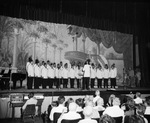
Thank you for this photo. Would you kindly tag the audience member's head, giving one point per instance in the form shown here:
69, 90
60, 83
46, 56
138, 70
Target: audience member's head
79, 102
31, 95
88, 111
134, 119
106, 119
72, 106
97, 93
54, 104
61, 99
138, 94
89, 103
116, 101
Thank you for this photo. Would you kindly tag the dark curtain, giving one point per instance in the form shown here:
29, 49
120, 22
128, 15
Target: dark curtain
112, 22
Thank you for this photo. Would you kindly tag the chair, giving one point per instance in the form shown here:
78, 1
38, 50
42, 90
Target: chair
56, 116
70, 121
29, 113
118, 119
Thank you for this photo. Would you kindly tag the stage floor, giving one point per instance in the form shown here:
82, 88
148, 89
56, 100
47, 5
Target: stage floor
75, 91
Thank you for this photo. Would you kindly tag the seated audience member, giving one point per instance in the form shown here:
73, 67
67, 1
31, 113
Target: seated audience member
31, 100
71, 114
97, 97
70, 100
134, 119
87, 111
80, 104
59, 109
140, 110
106, 119
147, 104
110, 100
138, 98
95, 114
128, 110
115, 110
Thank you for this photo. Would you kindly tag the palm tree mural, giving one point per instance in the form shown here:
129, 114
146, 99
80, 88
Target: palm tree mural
42, 28
60, 52
54, 46
46, 41
34, 35
6, 31
83, 40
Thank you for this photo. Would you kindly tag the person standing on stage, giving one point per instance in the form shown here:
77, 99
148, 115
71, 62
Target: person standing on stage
50, 76
106, 76
99, 76
37, 74
30, 71
44, 76
65, 75
93, 75
57, 77
113, 75
87, 74
72, 75
41, 67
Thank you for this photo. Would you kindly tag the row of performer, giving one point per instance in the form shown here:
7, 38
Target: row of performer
49, 74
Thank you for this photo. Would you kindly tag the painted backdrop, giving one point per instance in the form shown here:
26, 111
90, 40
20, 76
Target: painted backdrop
20, 38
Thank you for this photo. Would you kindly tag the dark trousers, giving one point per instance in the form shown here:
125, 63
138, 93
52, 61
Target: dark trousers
113, 82
78, 83
72, 82
99, 83
57, 82
50, 82
105, 83
36, 82
92, 82
65, 83
44, 83
86, 83
30, 82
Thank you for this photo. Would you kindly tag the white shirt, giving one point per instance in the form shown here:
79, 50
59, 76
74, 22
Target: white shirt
30, 70
44, 73
114, 111
60, 109
65, 73
138, 100
37, 71
72, 73
30, 101
106, 73
113, 73
93, 73
51, 72
97, 98
71, 115
87, 70
88, 120
99, 73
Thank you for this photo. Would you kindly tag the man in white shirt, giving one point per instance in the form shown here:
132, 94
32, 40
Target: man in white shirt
93, 75
113, 75
115, 110
99, 76
106, 76
65, 75
71, 115
30, 71
59, 109
138, 99
72, 76
36, 74
50, 76
31, 100
87, 74
44, 76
